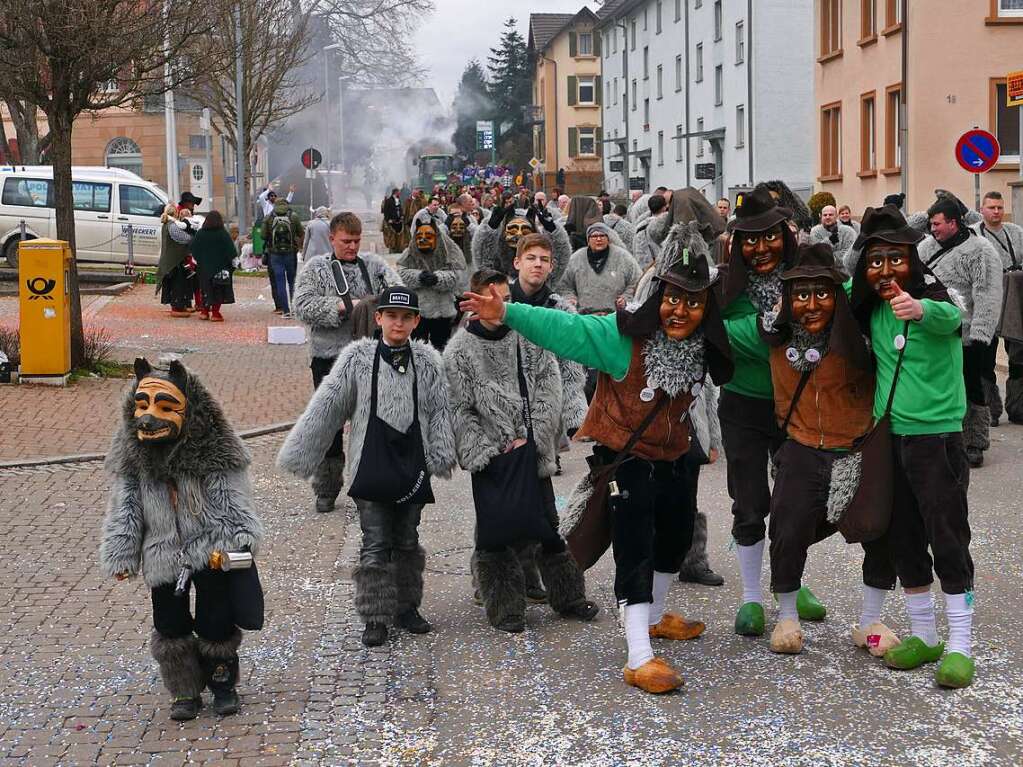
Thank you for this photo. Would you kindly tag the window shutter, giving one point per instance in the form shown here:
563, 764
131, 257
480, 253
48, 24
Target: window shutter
573, 90
596, 43
573, 142
598, 93
573, 44
599, 143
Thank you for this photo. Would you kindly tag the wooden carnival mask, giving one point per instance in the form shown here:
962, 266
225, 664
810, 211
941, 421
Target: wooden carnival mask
160, 404
887, 264
517, 228
458, 227
813, 303
763, 251
682, 311
426, 238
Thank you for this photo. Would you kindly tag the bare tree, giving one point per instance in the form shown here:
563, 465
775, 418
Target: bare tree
275, 37
25, 118
375, 38
58, 54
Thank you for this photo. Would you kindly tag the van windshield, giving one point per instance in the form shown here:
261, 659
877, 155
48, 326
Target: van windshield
139, 201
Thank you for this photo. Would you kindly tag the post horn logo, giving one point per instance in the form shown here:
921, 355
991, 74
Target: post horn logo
40, 287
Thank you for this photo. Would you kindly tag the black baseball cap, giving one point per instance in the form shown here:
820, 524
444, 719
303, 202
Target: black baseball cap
398, 297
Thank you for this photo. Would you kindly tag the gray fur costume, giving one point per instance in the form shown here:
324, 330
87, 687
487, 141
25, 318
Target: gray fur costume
447, 263
846, 238
1009, 237
173, 504
489, 251
344, 397
622, 227
316, 303
590, 290
974, 270
649, 237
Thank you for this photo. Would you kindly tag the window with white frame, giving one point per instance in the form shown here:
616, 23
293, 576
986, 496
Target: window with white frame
632, 30
660, 147
1010, 7
614, 40
678, 73
678, 11
717, 19
635, 155
607, 48
699, 139
614, 91
660, 81
585, 44
678, 143
646, 19
587, 141
698, 4
646, 62
657, 17
740, 42
607, 95
587, 90
699, 62
633, 95
719, 85
646, 114
110, 86
740, 126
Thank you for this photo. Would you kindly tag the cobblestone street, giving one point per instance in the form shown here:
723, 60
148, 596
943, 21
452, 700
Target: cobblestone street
80, 687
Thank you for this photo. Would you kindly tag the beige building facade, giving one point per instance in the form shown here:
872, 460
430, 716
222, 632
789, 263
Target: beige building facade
952, 79
566, 112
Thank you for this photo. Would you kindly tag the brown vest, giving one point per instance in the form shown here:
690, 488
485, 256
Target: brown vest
617, 411
836, 405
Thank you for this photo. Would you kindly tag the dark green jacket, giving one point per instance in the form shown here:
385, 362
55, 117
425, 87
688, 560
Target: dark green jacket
213, 250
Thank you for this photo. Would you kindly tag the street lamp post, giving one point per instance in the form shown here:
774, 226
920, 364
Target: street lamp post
326, 114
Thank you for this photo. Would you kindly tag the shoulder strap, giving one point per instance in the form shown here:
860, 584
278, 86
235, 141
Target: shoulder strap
898, 369
803, 379
649, 419
365, 274
527, 415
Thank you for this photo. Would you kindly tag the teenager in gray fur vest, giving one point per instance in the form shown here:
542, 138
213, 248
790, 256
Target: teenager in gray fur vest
601, 277
433, 266
967, 264
408, 406
495, 240
180, 495
319, 305
651, 231
482, 364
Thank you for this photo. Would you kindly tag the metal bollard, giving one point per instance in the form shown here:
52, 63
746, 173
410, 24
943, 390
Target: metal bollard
129, 268
24, 233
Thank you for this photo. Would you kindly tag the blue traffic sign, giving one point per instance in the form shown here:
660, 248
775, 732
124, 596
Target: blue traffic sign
977, 151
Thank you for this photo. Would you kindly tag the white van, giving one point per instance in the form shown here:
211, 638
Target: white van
106, 201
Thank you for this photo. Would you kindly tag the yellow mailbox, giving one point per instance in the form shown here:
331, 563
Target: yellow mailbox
44, 268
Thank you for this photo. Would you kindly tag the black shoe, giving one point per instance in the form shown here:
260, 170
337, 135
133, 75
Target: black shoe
185, 709
225, 701
536, 594
374, 635
557, 465
413, 622
704, 576
975, 458
324, 505
994, 422
584, 611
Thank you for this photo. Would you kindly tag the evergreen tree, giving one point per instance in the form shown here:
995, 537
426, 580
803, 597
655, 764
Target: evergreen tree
472, 102
510, 82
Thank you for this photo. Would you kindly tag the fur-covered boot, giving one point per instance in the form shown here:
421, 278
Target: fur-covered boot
696, 567
502, 586
535, 591
975, 432
566, 586
220, 670
1014, 399
327, 482
182, 675
994, 400
375, 594
408, 569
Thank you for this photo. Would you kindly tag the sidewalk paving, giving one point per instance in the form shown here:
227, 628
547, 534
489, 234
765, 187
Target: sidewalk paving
80, 687
258, 384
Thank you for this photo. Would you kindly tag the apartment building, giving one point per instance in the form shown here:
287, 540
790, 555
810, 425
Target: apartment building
567, 90
898, 81
714, 94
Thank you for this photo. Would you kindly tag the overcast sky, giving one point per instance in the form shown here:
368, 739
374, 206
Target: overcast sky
460, 30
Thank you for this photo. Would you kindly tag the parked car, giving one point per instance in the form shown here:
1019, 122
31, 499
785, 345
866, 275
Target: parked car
106, 201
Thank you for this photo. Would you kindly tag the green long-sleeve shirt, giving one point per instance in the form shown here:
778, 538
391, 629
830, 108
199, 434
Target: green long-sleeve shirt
590, 339
930, 397
752, 377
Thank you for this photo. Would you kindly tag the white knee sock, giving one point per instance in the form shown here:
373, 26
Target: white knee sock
637, 633
959, 611
751, 562
921, 617
787, 605
661, 583
873, 601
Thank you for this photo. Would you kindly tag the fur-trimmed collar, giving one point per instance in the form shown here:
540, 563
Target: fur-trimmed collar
801, 342
764, 290
674, 366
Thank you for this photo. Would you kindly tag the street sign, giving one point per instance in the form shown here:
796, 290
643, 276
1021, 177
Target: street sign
534, 163
616, 166
977, 151
705, 171
1014, 89
311, 158
637, 183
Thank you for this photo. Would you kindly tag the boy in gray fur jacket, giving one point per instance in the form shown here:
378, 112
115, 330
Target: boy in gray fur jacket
392, 391
482, 365
319, 305
181, 495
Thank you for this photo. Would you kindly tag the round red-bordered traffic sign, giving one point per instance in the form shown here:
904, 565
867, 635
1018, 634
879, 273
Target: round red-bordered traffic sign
977, 151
